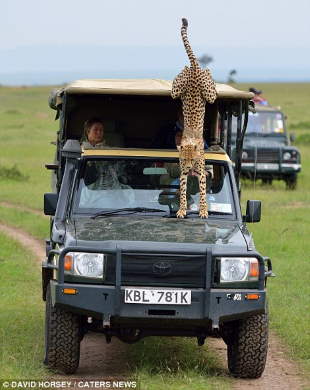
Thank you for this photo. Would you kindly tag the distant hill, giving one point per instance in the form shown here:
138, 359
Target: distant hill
36, 65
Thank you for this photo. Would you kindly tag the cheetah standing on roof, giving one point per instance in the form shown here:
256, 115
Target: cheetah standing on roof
194, 86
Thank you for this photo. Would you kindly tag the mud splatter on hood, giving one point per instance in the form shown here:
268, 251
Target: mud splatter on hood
159, 229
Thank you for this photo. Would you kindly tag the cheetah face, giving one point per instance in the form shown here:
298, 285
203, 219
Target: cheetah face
190, 148
188, 152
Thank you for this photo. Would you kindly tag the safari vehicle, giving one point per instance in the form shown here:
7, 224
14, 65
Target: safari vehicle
118, 260
267, 151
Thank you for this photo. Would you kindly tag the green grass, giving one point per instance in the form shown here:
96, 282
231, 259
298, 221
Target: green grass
276, 194
12, 173
302, 139
35, 225
21, 313
283, 235
176, 364
284, 238
300, 125
27, 127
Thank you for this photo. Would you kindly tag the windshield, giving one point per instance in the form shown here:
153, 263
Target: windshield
263, 123
148, 184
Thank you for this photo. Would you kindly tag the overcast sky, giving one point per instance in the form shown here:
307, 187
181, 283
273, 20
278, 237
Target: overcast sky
144, 22
241, 24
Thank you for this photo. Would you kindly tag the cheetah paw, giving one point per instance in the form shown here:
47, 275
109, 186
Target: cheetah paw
181, 213
203, 212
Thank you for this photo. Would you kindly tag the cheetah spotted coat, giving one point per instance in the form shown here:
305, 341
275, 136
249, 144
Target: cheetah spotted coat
194, 86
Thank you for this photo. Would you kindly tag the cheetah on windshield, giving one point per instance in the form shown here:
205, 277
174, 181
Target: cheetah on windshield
194, 86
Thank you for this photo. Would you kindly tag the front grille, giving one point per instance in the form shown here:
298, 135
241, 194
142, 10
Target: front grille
267, 155
262, 155
160, 270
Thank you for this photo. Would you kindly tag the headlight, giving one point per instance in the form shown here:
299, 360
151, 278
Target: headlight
90, 265
292, 155
244, 155
287, 156
239, 269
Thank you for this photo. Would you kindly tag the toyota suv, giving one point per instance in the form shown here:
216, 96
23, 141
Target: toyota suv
118, 261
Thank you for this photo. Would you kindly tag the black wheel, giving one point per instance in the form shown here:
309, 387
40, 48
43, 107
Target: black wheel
62, 338
247, 347
291, 182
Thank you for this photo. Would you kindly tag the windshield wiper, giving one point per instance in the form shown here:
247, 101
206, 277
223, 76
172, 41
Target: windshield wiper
255, 133
189, 212
260, 134
127, 210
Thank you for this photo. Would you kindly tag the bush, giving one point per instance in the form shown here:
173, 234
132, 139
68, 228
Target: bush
300, 125
12, 112
12, 174
303, 139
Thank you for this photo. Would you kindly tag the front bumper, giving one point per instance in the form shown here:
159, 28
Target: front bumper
104, 302
107, 302
281, 169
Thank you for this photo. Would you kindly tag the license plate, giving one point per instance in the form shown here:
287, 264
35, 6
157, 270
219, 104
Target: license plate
267, 166
158, 296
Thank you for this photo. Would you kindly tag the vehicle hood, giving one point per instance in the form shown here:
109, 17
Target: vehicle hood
264, 142
160, 229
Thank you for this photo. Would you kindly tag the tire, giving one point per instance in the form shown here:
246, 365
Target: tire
247, 347
62, 338
291, 182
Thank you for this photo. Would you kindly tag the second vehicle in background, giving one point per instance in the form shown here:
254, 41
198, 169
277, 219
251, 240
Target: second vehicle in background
267, 150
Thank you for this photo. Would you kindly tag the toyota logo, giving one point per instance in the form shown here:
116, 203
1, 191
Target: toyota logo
162, 268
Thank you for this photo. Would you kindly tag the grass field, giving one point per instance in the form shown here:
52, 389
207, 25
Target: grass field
283, 236
26, 128
21, 314
35, 225
176, 364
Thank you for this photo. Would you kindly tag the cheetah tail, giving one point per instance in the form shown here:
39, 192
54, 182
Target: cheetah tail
184, 22
189, 51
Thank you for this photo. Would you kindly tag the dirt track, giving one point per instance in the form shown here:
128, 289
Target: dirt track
101, 360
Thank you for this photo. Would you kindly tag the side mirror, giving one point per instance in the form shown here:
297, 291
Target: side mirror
253, 211
292, 137
50, 203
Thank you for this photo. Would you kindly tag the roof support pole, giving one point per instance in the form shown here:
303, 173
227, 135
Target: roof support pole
229, 124
212, 117
239, 144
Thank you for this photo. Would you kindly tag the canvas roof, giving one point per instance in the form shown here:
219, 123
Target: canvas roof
142, 87
260, 107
